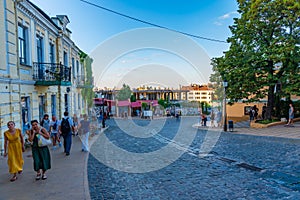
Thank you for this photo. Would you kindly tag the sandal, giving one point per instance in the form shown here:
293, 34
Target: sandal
38, 176
13, 178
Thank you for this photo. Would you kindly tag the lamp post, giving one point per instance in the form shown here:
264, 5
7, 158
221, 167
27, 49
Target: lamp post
225, 84
152, 109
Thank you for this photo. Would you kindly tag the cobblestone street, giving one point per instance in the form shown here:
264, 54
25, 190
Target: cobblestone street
237, 167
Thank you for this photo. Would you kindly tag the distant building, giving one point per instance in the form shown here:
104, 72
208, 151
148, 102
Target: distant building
194, 92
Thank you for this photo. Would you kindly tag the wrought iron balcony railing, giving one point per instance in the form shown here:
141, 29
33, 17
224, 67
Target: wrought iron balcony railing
51, 74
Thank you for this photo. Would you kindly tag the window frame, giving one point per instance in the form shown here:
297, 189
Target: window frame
23, 44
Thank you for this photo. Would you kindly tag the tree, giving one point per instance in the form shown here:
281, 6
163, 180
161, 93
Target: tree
124, 93
264, 52
132, 98
87, 92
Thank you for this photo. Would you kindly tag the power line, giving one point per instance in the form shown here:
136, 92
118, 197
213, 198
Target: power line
152, 24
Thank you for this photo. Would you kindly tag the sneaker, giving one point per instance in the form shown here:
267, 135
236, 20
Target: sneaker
44, 177
59, 144
38, 177
54, 147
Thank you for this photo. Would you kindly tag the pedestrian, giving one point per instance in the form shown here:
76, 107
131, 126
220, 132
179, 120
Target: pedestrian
255, 110
13, 147
75, 122
204, 119
212, 118
66, 128
251, 114
41, 155
291, 115
54, 132
264, 110
46, 123
219, 118
84, 127
94, 127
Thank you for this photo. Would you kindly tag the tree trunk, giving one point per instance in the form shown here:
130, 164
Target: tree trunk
270, 105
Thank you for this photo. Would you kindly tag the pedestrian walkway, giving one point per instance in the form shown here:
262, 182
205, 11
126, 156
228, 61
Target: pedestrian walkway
282, 131
67, 178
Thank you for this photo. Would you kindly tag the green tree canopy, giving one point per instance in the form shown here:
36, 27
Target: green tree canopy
124, 93
264, 51
87, 92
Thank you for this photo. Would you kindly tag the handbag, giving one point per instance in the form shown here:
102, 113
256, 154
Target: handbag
42, 142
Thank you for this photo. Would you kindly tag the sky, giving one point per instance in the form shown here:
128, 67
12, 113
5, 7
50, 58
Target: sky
137, 50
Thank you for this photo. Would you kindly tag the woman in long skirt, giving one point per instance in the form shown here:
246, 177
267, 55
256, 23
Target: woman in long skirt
13, 147
41, 155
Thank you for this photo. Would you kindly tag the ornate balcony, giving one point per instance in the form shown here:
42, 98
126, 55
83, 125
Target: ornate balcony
51, 74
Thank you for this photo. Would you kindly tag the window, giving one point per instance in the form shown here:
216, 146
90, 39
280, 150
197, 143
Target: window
77, 67
66, 59
42, 107
23, 43
51, 53
78, 97
53, 105
40, 56
73, 66
25, 104
67, 102
39, 49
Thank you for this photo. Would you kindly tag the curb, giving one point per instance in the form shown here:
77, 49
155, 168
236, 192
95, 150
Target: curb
85, 180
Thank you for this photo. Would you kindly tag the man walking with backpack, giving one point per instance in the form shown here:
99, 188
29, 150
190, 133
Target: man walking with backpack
66, 128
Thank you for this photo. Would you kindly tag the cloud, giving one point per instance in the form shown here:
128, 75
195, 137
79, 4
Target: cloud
224, 17
227, 15
218, 23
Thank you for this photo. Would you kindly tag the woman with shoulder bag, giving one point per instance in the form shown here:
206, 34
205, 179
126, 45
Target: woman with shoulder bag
41, 155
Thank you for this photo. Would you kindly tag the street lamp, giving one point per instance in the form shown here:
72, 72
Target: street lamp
225, 84
152, 109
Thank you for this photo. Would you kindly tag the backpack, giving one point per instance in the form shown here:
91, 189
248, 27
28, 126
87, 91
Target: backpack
65, 126
55, 125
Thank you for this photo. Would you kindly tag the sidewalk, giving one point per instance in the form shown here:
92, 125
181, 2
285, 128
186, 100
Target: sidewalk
67, 178
282, 131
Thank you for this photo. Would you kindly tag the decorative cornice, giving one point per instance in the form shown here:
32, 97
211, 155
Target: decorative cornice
34, 14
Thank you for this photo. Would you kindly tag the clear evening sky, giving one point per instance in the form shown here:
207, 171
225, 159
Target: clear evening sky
92, 26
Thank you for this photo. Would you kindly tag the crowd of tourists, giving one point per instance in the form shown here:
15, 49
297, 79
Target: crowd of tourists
41, 135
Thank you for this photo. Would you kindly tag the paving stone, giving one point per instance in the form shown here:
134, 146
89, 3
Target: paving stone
227, 173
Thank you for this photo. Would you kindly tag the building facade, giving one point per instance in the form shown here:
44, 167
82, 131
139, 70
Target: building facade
40, 68
200, 93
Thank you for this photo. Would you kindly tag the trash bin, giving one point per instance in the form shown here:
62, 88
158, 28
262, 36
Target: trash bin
230, 125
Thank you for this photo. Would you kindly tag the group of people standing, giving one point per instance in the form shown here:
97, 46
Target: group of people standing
14, 142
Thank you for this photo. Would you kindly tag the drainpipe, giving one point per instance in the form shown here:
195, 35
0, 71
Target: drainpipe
58, 41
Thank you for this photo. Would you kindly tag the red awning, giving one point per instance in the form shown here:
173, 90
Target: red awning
98, 101
136, 104
123, 103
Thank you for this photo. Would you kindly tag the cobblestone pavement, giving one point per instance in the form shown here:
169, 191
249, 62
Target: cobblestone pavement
239, 166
